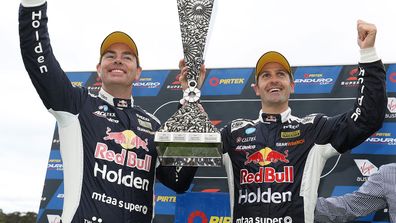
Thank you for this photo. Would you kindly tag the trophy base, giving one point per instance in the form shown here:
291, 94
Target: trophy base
189, 149
189, 154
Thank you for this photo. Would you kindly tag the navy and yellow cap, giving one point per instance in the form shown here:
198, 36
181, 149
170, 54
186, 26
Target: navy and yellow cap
272, 57
119, 37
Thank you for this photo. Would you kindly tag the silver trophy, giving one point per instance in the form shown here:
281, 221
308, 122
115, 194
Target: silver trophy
188, 138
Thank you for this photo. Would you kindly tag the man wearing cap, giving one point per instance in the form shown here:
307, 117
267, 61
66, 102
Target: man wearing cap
108, 152
274, 163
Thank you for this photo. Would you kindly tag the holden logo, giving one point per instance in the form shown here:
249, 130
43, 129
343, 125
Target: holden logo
392, 105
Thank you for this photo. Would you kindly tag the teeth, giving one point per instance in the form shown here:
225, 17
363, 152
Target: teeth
117, 71
274, 90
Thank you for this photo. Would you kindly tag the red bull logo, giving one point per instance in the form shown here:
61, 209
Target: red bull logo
266, 156
268, 175
127, 139
124, 158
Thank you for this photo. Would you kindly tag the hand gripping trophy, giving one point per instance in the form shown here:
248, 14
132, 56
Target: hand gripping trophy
188, 138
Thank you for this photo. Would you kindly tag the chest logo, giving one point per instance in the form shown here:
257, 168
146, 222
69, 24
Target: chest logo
103, 112
127, 139
145, 124
266, 156
250, 131
289, 135
246, 139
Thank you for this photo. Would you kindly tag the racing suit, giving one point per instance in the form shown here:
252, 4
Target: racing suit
274, 163
107, 144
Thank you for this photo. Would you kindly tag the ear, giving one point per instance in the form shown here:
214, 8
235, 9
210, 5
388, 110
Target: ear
98, 70
292, 85
255, 88
138, 72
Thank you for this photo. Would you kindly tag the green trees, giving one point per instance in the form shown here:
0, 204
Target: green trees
17, 217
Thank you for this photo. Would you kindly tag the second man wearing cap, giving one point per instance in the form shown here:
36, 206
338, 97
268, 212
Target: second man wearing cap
274, 163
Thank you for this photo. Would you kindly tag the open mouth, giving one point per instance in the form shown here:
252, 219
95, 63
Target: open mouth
274, 90
117, 71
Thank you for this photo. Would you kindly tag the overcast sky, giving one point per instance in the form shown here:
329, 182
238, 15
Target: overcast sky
308, 32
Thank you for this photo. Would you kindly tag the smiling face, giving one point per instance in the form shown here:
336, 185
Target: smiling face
274, 87
118, 68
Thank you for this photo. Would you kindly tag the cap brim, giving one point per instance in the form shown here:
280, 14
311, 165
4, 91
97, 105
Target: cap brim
118, 37
272, 57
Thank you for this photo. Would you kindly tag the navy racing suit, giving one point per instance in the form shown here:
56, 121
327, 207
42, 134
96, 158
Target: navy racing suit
274, 163
107, 144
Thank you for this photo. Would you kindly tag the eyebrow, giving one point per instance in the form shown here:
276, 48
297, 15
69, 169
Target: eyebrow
278, 70
124, 53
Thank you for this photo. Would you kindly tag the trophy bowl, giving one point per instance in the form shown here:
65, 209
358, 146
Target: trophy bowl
188, 138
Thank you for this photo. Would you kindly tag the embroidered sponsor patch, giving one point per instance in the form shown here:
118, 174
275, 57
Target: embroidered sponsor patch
288, 135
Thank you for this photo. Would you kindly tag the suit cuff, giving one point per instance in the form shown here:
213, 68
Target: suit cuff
368, 55
32, 3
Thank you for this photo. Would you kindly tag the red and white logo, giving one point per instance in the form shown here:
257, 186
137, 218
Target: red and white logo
366, 167
267, 175
392, 77
392, 104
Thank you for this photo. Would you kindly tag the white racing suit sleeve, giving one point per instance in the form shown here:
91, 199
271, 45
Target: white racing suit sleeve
32, 3
368, 55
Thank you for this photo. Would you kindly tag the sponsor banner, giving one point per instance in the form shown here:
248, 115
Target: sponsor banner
391, 78
56, 202
150, 83
165, 200
195, 207
174, 84
49, 216
54, 218
79, 79
55, 166
94, 84
226, 81
391, 111
382, 142
315, 80
366, 168
349, 78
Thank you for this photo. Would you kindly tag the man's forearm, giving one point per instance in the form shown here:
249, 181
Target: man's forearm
369, 198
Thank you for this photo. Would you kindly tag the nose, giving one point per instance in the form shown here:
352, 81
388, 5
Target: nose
117, 60
274, 79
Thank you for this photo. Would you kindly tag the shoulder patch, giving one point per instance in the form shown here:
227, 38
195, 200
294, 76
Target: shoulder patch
307, 119
240, 123
148, 114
